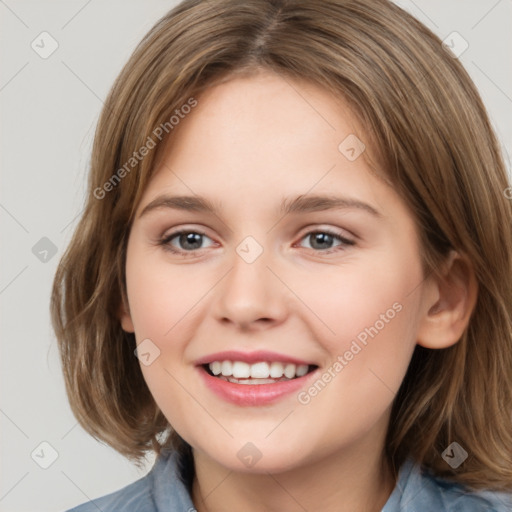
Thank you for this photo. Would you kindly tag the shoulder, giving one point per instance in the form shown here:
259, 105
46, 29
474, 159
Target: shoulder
418, 489
160, 490
457, 498
136, 497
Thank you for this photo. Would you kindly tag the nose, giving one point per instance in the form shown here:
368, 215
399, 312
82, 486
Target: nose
251, 296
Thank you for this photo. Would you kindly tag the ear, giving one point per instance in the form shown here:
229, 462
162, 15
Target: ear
448, 303
125, 317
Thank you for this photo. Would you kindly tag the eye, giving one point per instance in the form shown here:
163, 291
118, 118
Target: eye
322, 240
187, 240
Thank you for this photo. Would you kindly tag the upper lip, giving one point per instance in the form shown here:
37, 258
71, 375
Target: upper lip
250, 357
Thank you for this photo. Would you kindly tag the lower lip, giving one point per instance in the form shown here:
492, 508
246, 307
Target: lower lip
253, 394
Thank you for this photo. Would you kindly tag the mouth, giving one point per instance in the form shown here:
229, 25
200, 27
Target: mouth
258, 378
258, 373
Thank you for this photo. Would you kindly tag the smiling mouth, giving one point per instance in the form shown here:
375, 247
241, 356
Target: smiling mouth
263, 372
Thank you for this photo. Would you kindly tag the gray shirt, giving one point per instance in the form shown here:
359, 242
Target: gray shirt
162, 490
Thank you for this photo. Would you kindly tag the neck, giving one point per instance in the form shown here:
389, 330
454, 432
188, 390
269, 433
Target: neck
356, 480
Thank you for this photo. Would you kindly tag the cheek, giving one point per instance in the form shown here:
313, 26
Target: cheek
369, 316
358, 298
162, 308
373, 312
162, 296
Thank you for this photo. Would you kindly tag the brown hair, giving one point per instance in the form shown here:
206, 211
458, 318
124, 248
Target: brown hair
424, 117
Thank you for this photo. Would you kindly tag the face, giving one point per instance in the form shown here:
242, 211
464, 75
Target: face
272, 283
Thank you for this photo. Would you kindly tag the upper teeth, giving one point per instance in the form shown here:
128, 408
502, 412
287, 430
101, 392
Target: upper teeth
262, 370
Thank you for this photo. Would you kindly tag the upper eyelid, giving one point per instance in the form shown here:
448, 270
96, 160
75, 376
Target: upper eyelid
306, 230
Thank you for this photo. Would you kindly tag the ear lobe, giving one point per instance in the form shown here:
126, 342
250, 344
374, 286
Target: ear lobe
451, 302
125, 317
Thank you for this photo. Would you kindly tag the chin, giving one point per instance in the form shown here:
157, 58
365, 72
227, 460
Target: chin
252, 458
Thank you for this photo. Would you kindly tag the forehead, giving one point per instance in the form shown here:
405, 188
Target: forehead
264, 105
253, 137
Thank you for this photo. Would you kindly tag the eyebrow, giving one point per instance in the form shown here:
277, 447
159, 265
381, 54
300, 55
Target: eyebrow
299, 204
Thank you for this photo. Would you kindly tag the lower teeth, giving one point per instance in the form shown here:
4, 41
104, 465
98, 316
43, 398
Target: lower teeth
252, 381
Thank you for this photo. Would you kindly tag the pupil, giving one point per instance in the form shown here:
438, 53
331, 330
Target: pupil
322, 238
191, 238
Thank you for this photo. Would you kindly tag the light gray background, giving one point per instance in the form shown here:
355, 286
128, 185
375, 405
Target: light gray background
49, 111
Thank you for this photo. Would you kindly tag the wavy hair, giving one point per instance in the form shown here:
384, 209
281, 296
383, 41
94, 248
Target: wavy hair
435, 144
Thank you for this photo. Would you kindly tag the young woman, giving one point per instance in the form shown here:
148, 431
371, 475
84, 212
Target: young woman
293, 276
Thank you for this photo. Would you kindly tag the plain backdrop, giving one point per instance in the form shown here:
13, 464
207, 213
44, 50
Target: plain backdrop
49, 110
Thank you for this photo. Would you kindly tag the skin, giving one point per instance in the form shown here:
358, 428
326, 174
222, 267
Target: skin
249, 143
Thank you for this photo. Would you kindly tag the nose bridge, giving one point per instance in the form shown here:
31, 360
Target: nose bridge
250, 291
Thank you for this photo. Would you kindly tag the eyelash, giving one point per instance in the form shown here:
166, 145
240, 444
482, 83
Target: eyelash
165, 241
